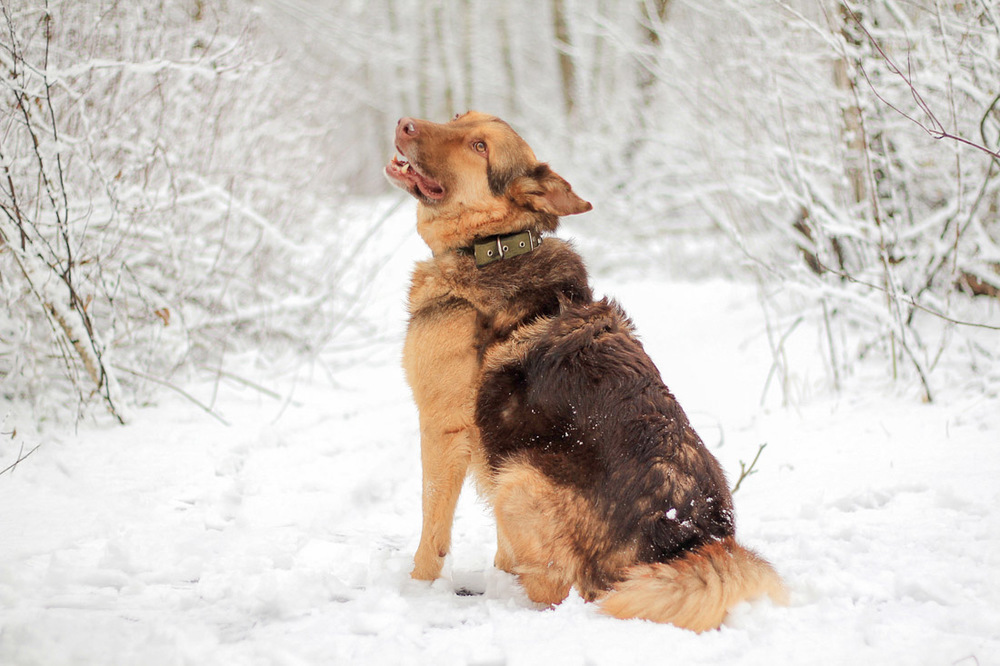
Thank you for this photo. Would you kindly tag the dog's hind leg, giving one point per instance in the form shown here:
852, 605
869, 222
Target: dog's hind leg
504, 559
531, 535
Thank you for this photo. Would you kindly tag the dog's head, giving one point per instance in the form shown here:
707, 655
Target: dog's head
474, 177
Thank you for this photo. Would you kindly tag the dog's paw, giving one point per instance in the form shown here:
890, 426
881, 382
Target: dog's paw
427, 568
504, 561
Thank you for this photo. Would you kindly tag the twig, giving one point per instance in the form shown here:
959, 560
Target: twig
908, 300
829, 341
21, 456
162, 382
937, 129
778, 361
245, 382
746, 471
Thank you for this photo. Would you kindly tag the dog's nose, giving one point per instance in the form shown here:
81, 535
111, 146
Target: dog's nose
407, 126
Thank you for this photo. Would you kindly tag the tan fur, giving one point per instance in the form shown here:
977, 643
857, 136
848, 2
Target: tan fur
518, 345
441, 367
542, 525
461, 328
696, 591
443, 231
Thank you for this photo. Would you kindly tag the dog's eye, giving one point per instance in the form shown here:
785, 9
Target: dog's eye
479, 146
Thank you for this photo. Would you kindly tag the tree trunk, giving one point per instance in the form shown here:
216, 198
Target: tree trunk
468, 60
440, 38
853, 130
506, 53
567, 68
651, 23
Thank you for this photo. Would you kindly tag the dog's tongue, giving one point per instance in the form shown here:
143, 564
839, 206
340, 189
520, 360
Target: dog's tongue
429, 188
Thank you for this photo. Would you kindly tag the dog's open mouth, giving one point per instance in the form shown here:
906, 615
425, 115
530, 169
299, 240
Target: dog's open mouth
405, 175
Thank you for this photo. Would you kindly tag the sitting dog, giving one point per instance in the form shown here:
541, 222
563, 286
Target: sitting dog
593, 472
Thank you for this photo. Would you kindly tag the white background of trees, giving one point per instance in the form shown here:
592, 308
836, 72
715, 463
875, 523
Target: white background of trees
178, 176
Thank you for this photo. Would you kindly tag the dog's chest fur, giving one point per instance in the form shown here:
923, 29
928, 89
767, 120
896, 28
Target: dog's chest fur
505, 295
459, 314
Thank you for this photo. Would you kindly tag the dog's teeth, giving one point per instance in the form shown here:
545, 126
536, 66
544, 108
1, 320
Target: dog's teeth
405, 168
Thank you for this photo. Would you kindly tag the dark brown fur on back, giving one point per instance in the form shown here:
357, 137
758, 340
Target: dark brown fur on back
586, 406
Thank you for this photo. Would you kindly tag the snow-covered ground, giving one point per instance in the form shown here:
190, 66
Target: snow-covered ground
287, 537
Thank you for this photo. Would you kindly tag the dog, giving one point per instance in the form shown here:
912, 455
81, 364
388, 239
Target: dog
595, 476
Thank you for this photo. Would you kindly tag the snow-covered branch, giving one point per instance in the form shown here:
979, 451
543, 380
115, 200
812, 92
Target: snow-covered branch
161, 203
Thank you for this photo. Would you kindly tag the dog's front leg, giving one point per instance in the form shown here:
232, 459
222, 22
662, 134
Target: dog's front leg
444, 455
442, 364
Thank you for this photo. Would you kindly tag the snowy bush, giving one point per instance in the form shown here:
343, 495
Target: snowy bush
165, 201
850, 149
168, 169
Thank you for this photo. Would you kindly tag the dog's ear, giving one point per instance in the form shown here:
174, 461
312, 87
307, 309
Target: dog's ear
544, 191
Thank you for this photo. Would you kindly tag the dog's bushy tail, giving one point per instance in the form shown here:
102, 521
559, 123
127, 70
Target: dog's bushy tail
696, 590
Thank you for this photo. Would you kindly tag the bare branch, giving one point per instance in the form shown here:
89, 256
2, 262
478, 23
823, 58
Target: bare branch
747, 470
173, 387
936, 129
21, 457
907, 300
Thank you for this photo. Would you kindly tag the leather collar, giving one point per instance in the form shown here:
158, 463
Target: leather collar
494, 248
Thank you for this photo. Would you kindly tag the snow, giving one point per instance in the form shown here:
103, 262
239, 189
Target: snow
287, 537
